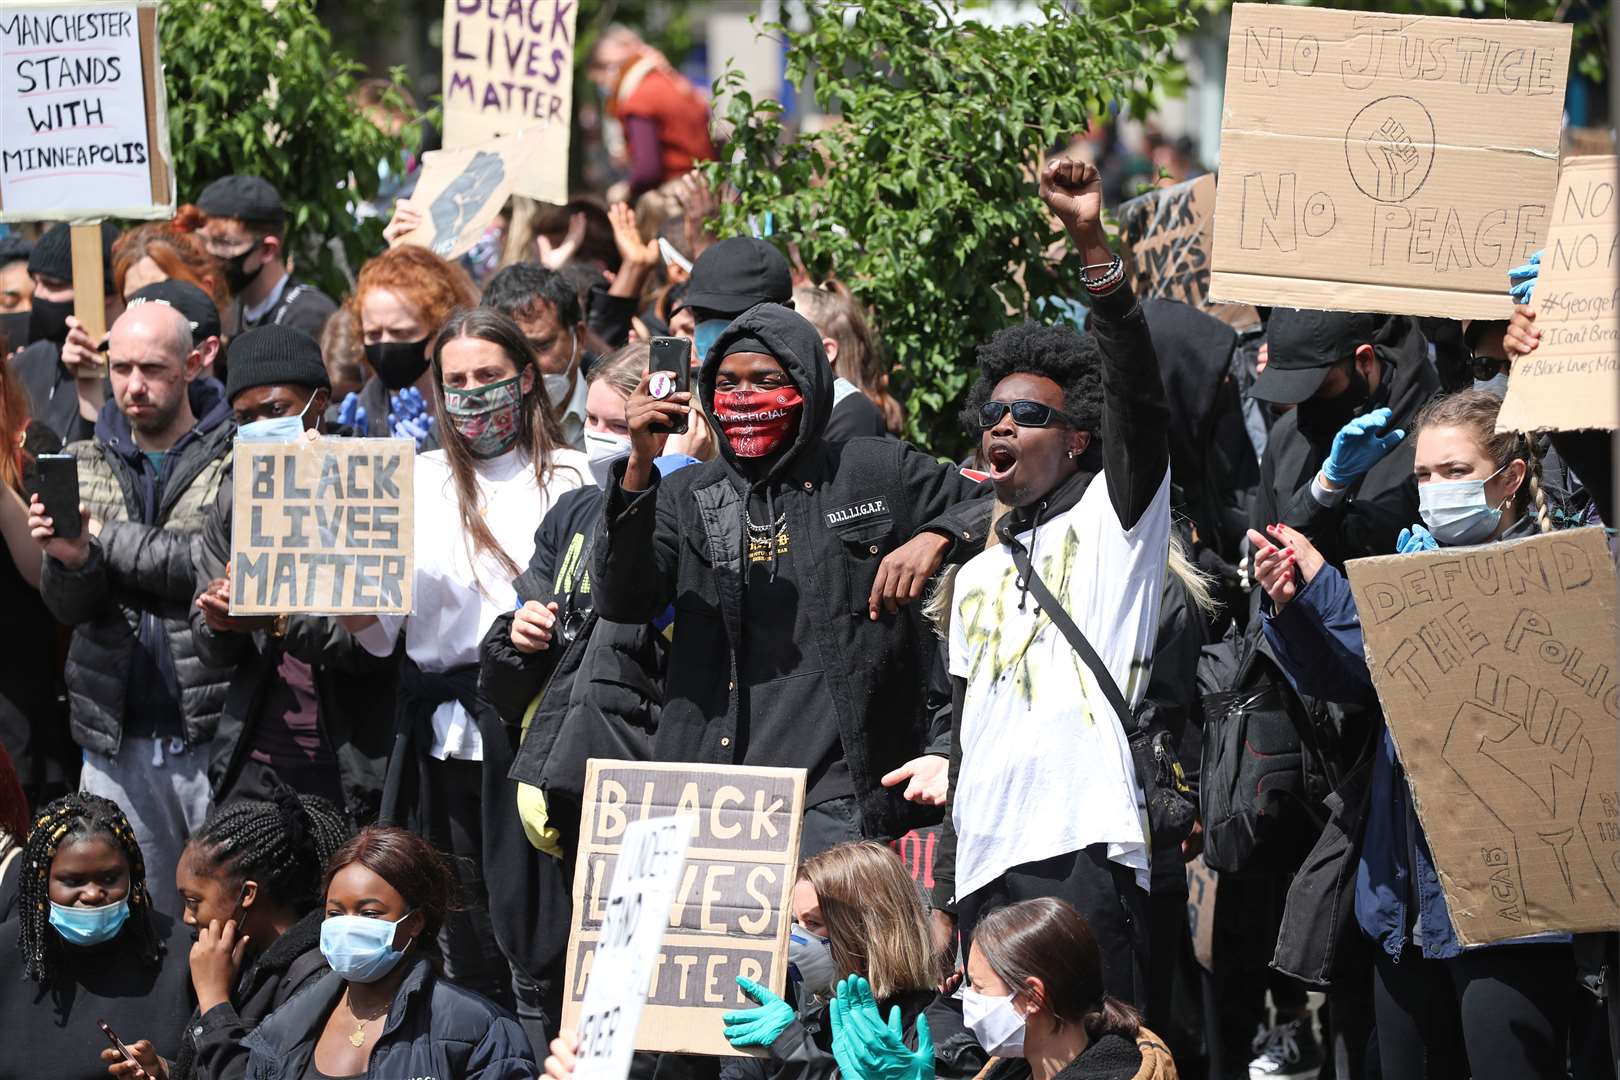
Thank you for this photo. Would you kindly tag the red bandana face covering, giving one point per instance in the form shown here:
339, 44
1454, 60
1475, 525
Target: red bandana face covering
757, 422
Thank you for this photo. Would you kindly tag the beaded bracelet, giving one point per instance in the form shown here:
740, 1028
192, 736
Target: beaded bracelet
1110, 279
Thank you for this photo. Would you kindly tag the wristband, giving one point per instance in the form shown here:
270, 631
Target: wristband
1108, 282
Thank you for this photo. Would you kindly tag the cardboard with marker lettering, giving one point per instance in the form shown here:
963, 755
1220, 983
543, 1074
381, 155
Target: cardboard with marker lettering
730, 915
1382, 162
83, 112
509, 69
1496, 669
323, 527
461, 191
1165, 239
1570, 382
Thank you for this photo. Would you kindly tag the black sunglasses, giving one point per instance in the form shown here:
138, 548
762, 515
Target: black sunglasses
1485, 368
1024, 414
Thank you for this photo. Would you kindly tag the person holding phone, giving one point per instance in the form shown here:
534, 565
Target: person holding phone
383, 1010
87, 948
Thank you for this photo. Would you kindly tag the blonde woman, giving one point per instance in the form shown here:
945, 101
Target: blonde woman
855, 911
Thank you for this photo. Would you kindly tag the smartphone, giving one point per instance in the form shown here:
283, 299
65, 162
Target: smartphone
674, 355
118, 1044
58, 489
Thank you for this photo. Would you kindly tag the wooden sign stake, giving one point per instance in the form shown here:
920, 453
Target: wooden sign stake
89, 288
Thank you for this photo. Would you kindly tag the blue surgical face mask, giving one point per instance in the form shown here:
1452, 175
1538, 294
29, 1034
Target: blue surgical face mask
810, 961
705, 335
1456, 512
360, 949
89, 925
275, 428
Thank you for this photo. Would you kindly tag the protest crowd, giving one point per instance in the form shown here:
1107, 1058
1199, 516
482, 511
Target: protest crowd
1104, 682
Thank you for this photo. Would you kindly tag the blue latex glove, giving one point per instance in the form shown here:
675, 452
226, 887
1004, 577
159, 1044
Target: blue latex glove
352, 414
761, 1026
1415, 539
868, 1049
1358, 446
1522, 279
409, 418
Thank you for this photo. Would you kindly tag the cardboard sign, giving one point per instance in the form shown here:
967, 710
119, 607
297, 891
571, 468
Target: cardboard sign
1165, 239
1569, 383
323, 527
509, 68
644, 884
1496, 669
1391, 163
83, 112
730, 912
461, 191
1201, 890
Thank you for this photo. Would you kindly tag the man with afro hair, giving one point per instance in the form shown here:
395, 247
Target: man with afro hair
1045, 800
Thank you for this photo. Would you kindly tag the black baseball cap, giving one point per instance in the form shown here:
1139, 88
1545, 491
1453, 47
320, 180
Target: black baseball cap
245, 198
190, 301
1302, 345
735, 274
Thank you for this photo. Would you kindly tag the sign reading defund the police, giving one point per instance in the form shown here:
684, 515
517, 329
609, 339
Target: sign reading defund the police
1496, 669
323, 527
1384, 162
729, 916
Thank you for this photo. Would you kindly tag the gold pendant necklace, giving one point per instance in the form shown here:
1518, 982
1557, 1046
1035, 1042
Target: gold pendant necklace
358, 1039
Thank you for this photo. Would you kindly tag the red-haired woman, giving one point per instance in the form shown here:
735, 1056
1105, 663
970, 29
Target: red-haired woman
400, 300
32, 725
161, 251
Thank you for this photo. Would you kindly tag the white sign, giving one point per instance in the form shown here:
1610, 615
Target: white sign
74, 109
637, 912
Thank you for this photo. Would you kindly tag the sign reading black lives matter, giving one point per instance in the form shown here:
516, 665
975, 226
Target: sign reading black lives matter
1380, 162
83, 121
730, 913
323, 527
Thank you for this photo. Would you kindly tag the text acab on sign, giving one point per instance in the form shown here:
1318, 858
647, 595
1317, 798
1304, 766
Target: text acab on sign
81, 112
729, 916
323, 527
1390, 163
1495, 666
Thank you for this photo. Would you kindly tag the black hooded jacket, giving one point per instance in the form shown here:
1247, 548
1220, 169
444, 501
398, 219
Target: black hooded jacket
843, 507
1380, 504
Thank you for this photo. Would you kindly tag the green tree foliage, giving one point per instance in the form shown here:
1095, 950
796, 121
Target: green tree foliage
923, 198
260, 89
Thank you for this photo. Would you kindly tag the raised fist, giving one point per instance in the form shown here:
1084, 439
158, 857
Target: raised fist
1073, 190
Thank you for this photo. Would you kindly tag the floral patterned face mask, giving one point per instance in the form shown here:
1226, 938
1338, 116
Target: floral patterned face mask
487, 418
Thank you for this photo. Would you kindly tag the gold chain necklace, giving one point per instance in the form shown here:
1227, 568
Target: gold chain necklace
358, 1039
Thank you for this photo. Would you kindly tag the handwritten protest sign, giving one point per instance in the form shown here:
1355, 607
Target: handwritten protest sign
1572, 381
1201, 890
509, 68
1496, 669
82, 109
323, 527
1376, 162
729, 916
461, 191
644, 884
1165, 238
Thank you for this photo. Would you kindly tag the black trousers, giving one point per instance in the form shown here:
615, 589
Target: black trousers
1106, 896
467, 940
1496, 1014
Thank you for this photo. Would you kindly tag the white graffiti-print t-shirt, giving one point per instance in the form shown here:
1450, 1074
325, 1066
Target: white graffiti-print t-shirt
1046, 769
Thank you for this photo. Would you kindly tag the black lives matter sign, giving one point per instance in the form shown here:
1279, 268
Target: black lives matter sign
323, 527
729, 916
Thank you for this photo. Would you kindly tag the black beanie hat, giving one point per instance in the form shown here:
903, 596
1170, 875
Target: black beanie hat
273, 356
197, 306
53, 254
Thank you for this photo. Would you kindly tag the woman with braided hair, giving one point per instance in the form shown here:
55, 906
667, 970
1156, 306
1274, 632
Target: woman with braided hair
249, 883
88, 945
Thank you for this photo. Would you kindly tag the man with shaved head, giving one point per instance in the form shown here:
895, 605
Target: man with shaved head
144, 705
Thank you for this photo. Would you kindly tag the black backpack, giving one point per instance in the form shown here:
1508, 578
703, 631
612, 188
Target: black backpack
1264, 777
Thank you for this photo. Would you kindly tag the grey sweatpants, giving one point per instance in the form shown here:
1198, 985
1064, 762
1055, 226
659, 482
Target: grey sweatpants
162, 787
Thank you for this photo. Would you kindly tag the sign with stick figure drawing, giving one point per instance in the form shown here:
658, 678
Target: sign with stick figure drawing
1495, 666
1382, 162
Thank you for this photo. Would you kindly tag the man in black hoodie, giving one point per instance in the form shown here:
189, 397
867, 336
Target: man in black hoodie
772, 555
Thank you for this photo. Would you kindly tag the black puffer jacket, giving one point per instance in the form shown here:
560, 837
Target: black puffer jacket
846, 505
138, 583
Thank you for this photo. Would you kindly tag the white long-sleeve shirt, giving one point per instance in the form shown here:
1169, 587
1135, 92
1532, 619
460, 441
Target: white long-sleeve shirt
454, 606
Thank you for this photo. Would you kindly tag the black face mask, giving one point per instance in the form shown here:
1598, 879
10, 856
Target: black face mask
47, 321
398, 363
237, 277
1321, 419
14, 330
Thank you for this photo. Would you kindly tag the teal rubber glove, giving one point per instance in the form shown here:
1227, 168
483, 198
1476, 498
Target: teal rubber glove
1522, 279
866, 1048
1416, 539
761, 1026
1358, 446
